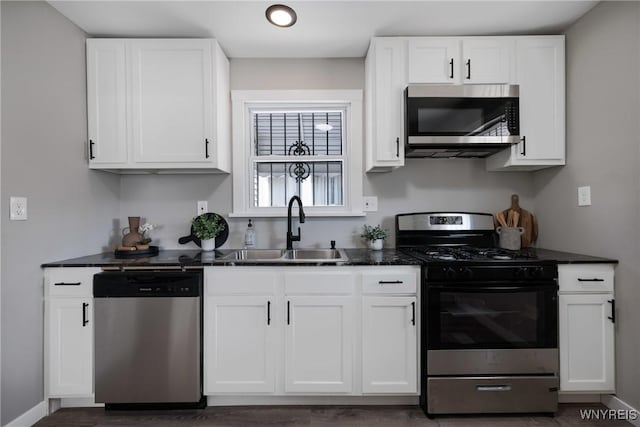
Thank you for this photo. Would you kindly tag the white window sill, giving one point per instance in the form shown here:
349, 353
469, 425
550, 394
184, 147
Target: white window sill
283, 214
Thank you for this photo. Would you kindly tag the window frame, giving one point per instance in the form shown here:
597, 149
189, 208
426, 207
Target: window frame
244, 101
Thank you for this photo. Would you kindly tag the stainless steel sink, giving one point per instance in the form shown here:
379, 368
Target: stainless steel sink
288, 256
315, 254
255, 255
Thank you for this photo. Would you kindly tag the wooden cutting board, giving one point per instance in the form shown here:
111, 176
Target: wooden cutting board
527, 221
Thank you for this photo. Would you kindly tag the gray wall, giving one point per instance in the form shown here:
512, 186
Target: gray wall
70, 208
603, 151
421, 185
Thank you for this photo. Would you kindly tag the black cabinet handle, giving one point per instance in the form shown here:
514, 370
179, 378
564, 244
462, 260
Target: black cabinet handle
91, 144
84, 314
268, 312
398, 147
590, 280
413, 313
288, 313
613, 310
67, 284
524, 145
451, 65
206, 148
468, 69
390, 282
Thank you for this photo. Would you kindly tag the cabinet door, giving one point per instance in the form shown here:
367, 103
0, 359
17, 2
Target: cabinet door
389, 345
239, 344
106, 101
172, 97
540, 74
486, 60
586, 343
318, 344
70, 347
387, 82
434, 60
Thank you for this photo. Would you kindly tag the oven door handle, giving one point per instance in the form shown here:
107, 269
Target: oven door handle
482, 288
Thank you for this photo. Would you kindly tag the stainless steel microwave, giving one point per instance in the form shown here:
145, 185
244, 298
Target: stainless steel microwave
460, 120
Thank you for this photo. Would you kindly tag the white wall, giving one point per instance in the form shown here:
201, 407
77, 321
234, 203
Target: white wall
422, 185
70, 208
603, 151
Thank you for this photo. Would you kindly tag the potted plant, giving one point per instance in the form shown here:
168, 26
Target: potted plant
375, 236
206, 228
143, 230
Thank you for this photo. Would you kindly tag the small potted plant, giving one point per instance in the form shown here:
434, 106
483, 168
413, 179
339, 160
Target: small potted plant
143, 230
375, 236
206, 228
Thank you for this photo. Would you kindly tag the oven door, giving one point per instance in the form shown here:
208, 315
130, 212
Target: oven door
492, 328
448, 115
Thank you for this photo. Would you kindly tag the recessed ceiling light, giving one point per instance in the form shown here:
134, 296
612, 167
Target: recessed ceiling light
281, 15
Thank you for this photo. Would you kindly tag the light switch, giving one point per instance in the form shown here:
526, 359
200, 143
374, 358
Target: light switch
18, 209
370, 204
584, 196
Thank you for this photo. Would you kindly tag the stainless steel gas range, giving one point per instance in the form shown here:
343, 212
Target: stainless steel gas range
490, 323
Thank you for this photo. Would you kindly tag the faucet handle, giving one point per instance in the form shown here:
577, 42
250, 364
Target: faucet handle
333, 244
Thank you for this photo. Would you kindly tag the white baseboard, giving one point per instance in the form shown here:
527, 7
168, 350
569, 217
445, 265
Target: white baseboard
30, 417
579, 398
310, 400
614, 402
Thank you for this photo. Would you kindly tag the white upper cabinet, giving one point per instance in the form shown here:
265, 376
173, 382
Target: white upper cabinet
386, 79
158, 104
434, 60
487, 60
107, 102
472, 60
540, 73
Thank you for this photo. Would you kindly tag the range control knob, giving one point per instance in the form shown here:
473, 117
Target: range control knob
466, 273
536, 272
451, 273
520, 272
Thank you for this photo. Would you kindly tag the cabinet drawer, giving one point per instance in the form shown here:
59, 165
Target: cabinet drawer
319, 281
69, 282
240, 281
585, 278
390, 282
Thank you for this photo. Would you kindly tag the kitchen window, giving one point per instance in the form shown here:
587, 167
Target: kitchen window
304, 143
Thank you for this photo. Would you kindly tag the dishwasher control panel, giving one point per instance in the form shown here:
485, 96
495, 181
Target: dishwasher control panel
122, 284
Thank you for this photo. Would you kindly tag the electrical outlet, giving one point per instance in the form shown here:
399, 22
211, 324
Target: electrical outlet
584, 196
202, 207
370, 204
18, 209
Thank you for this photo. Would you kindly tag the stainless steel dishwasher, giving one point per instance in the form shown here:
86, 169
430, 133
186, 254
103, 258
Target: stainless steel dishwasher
148, 335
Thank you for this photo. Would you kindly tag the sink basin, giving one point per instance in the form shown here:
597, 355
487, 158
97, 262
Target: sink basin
287, 256
314, 254
255, 255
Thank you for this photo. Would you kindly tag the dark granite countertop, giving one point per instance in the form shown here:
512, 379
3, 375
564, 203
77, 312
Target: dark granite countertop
197, 258
357, 256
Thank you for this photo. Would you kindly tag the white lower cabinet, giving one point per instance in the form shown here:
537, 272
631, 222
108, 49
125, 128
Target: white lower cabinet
389, 345
302, 331
318, 344
586, 328
69, 332
241, 350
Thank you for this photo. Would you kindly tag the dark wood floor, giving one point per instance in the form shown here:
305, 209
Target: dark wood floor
373, 416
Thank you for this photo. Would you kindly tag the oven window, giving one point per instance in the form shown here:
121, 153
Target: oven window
468, 319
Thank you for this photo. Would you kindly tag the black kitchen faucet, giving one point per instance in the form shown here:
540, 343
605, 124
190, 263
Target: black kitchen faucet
290, 237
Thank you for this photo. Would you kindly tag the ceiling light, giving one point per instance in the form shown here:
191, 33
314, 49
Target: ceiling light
281, 15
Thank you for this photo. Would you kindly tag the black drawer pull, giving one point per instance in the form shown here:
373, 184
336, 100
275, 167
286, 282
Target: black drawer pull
206, 148
451, 64
390, 282
613, 310
67, 284
398, 147
84, 314
595, 279
413, 313
268, 312
91, 144
468, 69
524, 146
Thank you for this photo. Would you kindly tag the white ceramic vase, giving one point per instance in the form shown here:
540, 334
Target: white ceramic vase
376, 244
208, 245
